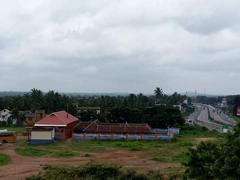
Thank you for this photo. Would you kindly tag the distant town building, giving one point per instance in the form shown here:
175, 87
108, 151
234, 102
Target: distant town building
224, 103
179, 107
185, 102
31, 118
6, 116
94, 109
34, 116
238, 111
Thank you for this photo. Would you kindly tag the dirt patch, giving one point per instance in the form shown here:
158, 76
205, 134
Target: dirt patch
21, 167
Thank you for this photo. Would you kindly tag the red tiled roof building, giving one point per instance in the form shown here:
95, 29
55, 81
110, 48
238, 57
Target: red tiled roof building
61, 121
113, 128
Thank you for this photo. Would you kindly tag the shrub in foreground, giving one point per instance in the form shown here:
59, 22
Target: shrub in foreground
4, 159
216, 161
92, 172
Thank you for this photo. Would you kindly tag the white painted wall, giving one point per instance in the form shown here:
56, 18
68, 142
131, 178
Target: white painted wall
44, 135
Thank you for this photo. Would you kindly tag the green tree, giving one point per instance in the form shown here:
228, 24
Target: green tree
212, 161
202, 160
158, 92
36, 99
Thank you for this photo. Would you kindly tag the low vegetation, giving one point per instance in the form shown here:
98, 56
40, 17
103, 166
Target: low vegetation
198, 131
30, 151
64, 154
4, 159
236, 118
16, 129
163, 152
92, 172
216, 160
39, 152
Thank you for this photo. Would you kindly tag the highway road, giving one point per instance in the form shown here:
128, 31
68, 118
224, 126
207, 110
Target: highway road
203, 115
219, 116
211, 118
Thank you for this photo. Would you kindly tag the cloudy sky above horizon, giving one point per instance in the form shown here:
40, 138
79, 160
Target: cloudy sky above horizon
120, 45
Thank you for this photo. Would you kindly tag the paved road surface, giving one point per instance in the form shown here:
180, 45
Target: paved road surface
219, 116
203, 116
211, 118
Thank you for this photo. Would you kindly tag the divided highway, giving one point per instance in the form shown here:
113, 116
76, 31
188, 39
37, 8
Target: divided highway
211, 118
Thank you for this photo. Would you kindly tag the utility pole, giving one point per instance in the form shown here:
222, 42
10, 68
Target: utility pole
67, 110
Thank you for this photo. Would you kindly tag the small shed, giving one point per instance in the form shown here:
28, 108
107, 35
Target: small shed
62, 123
42, 135
7, 136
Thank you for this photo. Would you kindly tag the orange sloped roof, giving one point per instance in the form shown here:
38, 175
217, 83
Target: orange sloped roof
60, 118
122, 128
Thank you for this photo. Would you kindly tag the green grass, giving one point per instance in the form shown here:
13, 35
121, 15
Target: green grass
33, 152
197, 131
16, 129
4, 159
63, 154
164, 152
44, 151
236, 118
172, 152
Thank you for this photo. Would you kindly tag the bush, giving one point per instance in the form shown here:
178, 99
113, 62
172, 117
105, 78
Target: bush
212, 161
4, 159
92, 172
202, 160
63, 154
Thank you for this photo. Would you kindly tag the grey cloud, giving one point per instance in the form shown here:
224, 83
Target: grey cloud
125, 46
208, 17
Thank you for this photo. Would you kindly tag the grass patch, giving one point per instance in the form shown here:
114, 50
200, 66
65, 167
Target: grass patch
16, 129
172, 152
164, 152
33, 152
63, 154
90, 146
236, 118
4, 159
197, 131
40, 151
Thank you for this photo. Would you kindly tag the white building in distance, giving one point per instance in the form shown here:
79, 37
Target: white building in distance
5, 115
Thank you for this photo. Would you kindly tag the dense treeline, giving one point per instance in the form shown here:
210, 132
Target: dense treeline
154, 109
50, 102
156, 116
234, 102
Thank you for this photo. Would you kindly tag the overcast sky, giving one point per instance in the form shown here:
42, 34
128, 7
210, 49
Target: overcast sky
120, 45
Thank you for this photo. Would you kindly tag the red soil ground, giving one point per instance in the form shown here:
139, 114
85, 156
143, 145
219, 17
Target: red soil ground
21, 167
